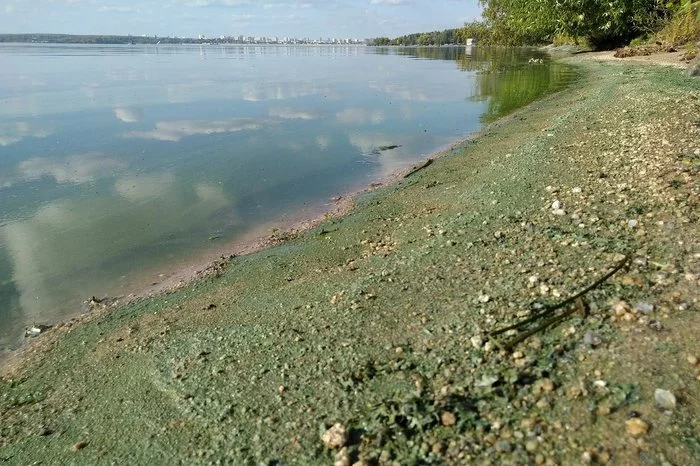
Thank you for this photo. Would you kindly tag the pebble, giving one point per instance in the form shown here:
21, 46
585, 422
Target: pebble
592, 339
636, 427
664, 399
643, 307
477, 341
632, 223
556, 205
335, 437
692, 360
448, 419
531, 446
560, 212
487, 381
342, 458
79, 446
484, 298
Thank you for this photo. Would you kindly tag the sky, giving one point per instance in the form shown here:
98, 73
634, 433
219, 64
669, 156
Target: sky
189, 18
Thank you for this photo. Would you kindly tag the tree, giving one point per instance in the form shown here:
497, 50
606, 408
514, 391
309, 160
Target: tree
604, 24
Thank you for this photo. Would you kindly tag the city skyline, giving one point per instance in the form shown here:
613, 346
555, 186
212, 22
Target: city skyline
215, 18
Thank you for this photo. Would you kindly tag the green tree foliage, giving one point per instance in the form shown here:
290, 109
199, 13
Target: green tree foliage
603, 23
445, 37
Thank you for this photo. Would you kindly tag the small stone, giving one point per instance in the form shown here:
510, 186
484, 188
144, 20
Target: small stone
477, 341
487, 381
592, 339
531, 446
499, 235
692, 360
79, 446
664, 399
518, 355
560, 212
632, 223
556, 205
656, 325
576, 190
335, 437
484, 298
552, 189
448, 419
636, 427
342, 458
644, 307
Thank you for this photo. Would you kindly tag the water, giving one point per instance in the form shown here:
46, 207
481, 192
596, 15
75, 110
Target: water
117, 162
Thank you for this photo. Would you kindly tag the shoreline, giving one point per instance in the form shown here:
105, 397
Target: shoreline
381, 321
181, 275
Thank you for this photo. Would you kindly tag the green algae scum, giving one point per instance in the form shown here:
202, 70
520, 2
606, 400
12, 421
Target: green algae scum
364, 340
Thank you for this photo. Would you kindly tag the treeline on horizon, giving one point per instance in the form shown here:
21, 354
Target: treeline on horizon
596, 24
97, 39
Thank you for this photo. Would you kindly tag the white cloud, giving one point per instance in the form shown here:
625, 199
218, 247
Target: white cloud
176, 130
118, 9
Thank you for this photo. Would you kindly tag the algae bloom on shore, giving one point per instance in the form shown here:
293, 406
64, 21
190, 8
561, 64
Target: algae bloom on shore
162, 167
368, 339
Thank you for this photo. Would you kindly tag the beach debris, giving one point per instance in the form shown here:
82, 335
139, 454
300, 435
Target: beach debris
418, 168
335, 437
577, 299
644, 307
79, 446
592, 339
35, 330
664, 399
636, 427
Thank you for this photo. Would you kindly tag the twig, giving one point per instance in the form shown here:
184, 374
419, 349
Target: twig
509, 345
418, 168
567, 301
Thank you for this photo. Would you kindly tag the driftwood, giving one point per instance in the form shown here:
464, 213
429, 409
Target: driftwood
418, 168
548, 311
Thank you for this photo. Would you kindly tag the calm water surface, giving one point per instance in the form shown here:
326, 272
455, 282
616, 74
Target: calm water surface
119, 161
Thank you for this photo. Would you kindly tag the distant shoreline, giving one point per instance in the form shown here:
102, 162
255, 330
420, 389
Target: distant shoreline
99, 39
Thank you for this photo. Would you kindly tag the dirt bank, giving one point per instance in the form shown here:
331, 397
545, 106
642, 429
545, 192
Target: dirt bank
378, 321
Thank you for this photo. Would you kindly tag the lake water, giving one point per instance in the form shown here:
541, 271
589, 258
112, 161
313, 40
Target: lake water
117, 162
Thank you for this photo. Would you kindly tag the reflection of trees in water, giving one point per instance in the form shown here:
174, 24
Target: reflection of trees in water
507, 77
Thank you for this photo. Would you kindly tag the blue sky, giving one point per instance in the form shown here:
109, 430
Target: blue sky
312, 18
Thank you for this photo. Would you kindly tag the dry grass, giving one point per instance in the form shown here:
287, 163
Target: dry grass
684, 28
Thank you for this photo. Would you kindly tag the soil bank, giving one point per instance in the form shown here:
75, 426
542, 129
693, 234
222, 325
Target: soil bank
376, 322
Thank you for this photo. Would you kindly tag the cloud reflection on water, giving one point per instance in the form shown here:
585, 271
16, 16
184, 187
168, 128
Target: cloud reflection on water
13, 133
79, 168
128, 114
174, 131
